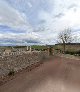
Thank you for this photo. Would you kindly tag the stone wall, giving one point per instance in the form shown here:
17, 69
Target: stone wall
20, 61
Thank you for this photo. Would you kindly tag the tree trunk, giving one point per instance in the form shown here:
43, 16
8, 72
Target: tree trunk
64, 45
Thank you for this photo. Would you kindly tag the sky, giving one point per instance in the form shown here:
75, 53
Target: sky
35, 22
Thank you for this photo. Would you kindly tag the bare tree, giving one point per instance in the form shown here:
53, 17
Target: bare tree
65, 37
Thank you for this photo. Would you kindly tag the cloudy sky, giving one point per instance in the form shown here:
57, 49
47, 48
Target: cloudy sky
28, 22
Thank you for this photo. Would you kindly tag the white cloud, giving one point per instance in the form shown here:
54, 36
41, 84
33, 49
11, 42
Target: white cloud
20, 36
73, 16
11, 17
12, 38
70, 17
58, 15
29, 4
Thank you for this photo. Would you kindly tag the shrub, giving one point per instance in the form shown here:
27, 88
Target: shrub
11, 72
73, 52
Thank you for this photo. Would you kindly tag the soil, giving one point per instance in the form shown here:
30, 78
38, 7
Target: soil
58, 74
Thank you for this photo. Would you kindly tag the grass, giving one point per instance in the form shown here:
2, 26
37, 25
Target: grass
38, 47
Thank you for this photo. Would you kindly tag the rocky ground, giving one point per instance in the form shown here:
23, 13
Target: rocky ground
20, 62
58, 74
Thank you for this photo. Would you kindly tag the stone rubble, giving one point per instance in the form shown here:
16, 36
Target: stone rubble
19, 60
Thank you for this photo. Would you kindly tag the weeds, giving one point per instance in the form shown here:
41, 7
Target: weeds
11, 72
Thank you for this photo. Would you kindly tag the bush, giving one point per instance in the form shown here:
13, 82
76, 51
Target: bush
78, 52
73, 52
11, 73
51, 51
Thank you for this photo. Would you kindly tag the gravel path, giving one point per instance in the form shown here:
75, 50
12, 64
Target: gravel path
57, 75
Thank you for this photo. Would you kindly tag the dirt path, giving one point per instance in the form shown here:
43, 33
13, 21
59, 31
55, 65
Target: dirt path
57, 75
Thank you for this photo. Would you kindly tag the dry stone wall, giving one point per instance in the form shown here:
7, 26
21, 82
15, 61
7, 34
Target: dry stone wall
19, 61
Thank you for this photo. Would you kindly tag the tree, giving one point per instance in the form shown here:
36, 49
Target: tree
65, 37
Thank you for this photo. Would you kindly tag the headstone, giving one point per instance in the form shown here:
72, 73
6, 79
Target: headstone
30, 49
27, 48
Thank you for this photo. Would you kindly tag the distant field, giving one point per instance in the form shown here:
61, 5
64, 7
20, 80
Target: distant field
42, 47
73, 49
69, 47
38, 47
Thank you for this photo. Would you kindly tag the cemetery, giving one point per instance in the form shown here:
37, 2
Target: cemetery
19, 59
